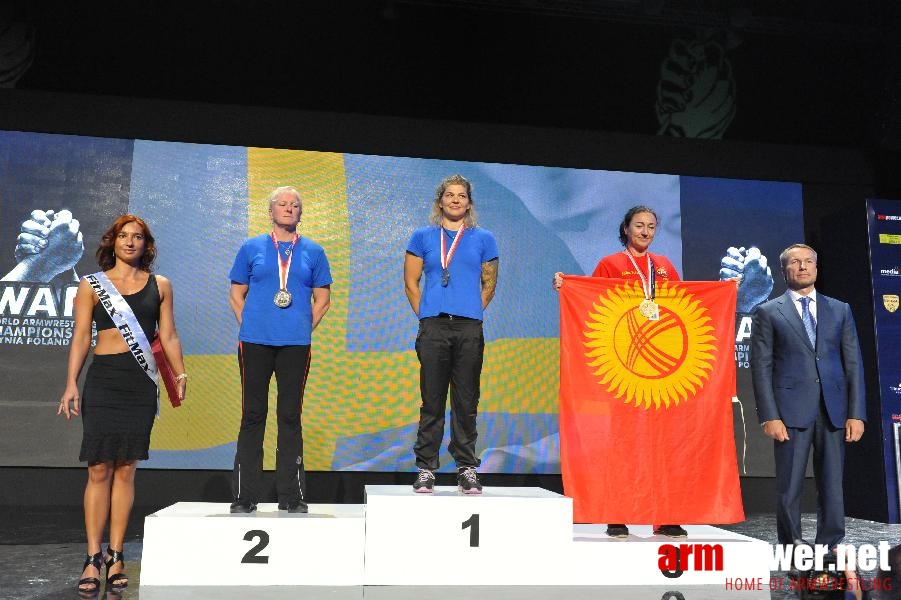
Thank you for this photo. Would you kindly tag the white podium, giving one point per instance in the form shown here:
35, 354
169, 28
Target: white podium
446, 538
709, 556
400, 544
265, 548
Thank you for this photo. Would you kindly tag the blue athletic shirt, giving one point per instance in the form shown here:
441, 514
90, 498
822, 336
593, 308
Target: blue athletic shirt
463, 295
256, 265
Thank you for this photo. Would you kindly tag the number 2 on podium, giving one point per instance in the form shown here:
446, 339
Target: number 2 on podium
473, 523
253, 555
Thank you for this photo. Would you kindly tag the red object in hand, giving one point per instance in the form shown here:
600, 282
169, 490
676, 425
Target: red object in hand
164, 369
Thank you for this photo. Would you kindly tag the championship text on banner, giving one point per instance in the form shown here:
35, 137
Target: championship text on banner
645, 405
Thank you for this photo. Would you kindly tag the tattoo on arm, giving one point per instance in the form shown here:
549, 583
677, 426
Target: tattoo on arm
489, 280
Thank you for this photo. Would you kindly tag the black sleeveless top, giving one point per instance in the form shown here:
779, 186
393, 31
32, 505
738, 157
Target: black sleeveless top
145, 304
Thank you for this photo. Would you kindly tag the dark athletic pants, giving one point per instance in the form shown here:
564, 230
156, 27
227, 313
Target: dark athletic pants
450, 355
257, 363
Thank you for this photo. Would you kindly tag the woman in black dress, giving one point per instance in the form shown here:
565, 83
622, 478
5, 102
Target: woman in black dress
119, 400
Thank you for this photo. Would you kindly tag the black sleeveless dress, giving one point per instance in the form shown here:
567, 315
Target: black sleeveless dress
119, 401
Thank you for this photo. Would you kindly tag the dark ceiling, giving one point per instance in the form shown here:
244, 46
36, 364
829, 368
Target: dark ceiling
805, 71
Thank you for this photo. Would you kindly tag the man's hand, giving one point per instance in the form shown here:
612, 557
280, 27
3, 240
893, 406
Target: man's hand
732, 265
776, 430
756, 278
853, 430
33, 234
49, 244
696, 91
64, 242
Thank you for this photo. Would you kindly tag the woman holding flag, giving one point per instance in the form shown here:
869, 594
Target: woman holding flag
636, 263
119, 399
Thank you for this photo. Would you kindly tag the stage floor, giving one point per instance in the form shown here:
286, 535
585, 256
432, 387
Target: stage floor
42, 549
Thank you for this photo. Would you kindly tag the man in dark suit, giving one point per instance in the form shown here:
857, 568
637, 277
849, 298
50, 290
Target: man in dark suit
808, 382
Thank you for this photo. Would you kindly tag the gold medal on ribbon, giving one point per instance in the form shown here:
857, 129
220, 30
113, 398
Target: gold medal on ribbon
649, 309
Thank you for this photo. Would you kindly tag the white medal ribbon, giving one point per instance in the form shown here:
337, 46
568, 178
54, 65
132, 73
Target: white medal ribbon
648, 308
645, 283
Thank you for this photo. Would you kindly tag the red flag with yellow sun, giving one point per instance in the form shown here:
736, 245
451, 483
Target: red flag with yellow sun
646, 405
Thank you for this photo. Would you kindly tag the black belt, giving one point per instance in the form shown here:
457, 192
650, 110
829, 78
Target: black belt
452, 317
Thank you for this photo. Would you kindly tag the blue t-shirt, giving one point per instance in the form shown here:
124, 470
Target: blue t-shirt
463, 295
256, 266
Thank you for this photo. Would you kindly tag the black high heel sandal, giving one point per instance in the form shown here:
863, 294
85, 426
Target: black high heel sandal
97, 562
115, 581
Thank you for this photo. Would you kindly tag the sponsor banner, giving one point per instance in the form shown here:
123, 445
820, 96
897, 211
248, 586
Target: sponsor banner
884, 221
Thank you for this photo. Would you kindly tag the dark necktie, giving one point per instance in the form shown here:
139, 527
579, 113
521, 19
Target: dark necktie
810, 325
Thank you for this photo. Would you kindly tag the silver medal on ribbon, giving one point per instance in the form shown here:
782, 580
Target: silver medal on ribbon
282, 298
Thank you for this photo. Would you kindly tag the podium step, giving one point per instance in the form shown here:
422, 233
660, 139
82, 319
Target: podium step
709, 556
265, 548
437, 545
447, 538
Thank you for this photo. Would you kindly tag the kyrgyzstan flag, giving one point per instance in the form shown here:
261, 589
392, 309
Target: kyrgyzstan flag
645, 405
